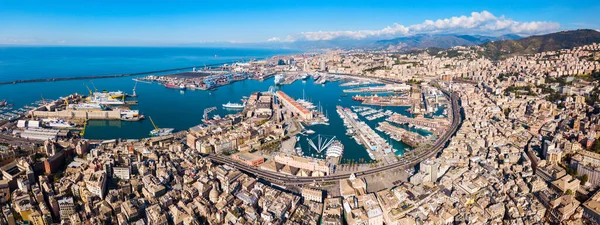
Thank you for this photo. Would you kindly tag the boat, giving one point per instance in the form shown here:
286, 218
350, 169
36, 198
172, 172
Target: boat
279, 78
358, 98
105, 99
57, 123
335, 149
160, 131
85, 106
310, 131
305, 76
131, 115
230, 105
171, 85
115, 94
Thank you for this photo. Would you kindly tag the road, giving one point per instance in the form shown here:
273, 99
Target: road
407, 161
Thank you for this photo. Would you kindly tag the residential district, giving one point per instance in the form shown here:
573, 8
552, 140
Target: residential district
520, 145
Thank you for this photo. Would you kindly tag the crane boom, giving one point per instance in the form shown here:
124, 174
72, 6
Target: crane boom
90, 90
152, 121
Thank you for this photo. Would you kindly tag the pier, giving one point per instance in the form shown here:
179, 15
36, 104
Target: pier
433, 124
384, 100
388, 88
376, 146
407, 137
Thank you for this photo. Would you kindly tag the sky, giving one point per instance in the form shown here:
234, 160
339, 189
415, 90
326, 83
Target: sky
172, 23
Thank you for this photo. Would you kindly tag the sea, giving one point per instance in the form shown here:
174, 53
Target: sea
169, 108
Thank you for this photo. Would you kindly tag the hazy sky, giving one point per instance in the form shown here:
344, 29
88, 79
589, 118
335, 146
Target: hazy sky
28, 22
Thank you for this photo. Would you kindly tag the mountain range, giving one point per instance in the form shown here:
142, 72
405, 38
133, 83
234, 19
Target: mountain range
439, 41
541, 43
493, 47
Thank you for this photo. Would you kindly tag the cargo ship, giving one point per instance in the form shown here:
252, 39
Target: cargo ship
230, 105
174, 86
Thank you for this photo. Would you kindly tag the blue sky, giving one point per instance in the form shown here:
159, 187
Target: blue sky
151, 22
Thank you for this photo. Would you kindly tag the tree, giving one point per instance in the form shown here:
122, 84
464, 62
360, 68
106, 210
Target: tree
584, 179
596, 146
569, 192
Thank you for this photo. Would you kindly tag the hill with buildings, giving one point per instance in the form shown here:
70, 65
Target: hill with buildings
541, 43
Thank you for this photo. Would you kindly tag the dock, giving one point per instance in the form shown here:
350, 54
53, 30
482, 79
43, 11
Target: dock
407, 137
377, 147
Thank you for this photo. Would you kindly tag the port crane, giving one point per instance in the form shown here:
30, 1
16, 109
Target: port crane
88, 88
134, 86
153, 124
94, 86
43, 100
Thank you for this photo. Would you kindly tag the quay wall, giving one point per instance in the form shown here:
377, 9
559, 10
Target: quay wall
79, 114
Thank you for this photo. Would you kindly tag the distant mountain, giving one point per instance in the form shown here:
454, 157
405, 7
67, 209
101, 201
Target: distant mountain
420, 41
541, 43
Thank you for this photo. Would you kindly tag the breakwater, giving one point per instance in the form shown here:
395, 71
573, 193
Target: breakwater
54, 79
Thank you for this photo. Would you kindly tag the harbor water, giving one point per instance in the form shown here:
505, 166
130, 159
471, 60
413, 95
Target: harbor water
178, 109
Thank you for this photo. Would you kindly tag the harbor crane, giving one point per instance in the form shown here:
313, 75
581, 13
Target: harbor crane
89, 90
134, 86
153, 124
94, 86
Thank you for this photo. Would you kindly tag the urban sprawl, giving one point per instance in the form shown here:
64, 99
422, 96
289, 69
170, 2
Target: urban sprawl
517, 143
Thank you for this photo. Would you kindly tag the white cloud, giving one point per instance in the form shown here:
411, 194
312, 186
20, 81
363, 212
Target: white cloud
274, 39
484, 23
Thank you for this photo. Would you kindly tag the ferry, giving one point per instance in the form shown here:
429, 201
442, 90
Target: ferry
279, 78
105, 100
230, 105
